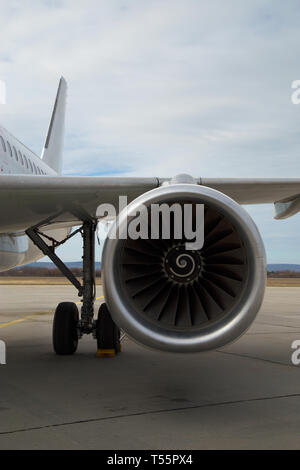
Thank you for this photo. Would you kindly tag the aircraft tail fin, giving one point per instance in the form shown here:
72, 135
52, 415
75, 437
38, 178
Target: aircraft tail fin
53, 148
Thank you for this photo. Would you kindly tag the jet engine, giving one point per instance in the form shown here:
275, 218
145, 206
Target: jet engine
168, 296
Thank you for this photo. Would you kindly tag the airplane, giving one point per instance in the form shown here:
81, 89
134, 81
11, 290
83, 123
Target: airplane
159, 293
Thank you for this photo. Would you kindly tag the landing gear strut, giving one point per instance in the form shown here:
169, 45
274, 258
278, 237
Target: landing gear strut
68, 327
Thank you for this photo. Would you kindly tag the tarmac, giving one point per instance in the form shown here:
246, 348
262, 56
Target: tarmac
244, 396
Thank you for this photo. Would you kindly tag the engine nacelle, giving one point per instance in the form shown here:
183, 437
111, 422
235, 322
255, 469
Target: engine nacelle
173, 299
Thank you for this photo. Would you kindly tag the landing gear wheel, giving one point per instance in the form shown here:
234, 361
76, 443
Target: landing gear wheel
65, 334
107, 334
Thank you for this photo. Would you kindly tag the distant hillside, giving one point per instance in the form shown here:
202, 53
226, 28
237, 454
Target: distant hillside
284, 267
77, 264
50, 265
47, 269
39, 269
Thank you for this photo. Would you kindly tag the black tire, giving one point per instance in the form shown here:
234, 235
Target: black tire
65, 334
108, 334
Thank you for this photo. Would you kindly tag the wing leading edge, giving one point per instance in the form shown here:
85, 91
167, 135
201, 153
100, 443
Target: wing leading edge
27, 200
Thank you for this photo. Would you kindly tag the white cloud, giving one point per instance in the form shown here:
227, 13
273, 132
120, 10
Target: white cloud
161, 87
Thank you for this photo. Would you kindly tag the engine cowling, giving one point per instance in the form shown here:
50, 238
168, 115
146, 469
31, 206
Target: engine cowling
170, 298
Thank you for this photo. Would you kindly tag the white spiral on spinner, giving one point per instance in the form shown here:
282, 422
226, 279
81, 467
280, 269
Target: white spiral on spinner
182, 261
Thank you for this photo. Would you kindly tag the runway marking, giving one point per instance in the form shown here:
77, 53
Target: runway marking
29, 317
96, 298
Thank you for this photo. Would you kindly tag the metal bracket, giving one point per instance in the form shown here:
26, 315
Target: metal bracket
286, 209
54, 242
36, 237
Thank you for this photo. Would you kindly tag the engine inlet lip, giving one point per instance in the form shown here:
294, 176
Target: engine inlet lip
217, 333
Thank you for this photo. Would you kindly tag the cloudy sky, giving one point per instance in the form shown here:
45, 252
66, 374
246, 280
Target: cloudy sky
160, 87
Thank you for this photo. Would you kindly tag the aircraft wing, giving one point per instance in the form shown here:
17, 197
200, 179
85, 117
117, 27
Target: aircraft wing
283, 192
27, 200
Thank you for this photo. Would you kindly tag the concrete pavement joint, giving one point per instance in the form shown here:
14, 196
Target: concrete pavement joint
153, 412
256, 358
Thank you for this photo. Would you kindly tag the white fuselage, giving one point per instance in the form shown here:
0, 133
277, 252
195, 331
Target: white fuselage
15, 158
